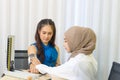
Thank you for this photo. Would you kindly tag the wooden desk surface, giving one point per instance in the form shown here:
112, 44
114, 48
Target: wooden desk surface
23, 72
45, 77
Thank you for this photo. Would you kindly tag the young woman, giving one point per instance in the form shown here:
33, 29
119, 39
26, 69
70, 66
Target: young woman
44, 48
80, 42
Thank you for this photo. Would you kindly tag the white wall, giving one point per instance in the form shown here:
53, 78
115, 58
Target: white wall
20, 17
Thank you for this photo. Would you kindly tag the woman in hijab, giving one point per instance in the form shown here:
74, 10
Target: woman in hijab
80, 42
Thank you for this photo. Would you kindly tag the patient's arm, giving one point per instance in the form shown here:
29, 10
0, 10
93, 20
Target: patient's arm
58, 59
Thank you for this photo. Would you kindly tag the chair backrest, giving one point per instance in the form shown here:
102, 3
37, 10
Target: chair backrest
21, 59
115, 71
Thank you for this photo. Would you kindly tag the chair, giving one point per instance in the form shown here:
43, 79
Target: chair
21, 59
115, 72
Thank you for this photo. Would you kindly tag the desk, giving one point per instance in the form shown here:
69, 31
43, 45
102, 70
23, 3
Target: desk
43, 77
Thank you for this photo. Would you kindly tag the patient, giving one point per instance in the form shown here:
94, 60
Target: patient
80, 42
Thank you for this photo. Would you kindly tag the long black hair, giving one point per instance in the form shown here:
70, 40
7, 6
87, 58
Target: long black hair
40, 25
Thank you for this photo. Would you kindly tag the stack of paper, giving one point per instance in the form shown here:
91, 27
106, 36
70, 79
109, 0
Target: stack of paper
22, 75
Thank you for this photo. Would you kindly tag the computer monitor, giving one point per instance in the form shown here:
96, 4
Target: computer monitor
10, 52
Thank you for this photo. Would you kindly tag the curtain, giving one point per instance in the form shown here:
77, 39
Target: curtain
20, 18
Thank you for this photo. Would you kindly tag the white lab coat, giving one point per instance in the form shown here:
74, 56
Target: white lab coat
81, 67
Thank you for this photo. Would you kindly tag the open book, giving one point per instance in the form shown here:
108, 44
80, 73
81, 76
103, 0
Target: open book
21, 74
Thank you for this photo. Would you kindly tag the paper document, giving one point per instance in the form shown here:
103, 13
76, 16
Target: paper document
22, 74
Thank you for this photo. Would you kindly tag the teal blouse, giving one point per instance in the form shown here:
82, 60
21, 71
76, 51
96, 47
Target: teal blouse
50, 53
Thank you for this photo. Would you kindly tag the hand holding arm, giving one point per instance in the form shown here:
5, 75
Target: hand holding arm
33, 69
34, 62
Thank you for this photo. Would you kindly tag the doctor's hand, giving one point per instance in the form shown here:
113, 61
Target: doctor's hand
33, 69
35, 61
